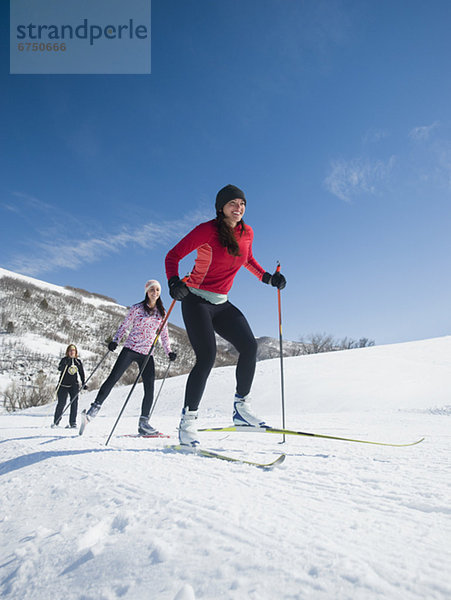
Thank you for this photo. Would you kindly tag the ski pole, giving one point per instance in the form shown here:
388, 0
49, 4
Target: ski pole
159, 330
78, 393
60, 381
159, 391
57, 389
282, 386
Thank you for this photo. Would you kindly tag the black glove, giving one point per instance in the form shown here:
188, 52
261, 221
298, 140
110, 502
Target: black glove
172, 356
276, 279
177, 288
112, 346
84, 387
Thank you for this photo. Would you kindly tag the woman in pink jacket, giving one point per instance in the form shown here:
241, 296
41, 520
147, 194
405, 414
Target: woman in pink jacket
223, 246
143, 321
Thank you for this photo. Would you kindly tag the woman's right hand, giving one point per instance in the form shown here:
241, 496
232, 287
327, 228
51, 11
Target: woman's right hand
112, 346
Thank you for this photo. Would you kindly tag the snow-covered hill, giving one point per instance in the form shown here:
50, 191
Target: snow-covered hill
347, 521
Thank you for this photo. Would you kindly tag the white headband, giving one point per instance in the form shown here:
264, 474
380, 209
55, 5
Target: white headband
150, 283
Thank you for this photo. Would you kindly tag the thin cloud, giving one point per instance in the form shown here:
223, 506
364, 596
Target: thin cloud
423, 132
22, 200
348, 179
49, 256
31, 209
373, 136
431, 159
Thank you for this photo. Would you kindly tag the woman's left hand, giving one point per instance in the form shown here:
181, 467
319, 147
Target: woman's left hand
276, 279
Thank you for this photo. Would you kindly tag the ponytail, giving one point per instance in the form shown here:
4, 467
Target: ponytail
226, 234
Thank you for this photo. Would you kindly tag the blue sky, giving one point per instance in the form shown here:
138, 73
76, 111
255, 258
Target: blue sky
333, 116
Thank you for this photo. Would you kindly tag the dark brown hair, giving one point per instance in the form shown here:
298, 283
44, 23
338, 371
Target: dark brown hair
226, 234
159, 305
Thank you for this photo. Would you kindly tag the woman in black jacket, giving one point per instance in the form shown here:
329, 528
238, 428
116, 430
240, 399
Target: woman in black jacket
71, 368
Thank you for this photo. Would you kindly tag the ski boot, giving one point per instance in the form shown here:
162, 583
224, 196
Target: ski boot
144, 428
243, 415
187, 428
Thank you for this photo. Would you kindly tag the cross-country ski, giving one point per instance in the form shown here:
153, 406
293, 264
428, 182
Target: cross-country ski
210, 454
144, 435
243, 429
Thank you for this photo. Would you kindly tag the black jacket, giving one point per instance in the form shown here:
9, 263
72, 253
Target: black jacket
70, 368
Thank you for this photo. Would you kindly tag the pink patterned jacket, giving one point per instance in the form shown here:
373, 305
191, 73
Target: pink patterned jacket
144, 327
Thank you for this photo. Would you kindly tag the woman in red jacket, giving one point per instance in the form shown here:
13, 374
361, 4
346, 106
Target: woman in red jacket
223, 246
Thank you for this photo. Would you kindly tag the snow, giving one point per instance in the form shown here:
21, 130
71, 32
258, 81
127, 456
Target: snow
44, 285
5, 382
32, 281
35, 343
340, 520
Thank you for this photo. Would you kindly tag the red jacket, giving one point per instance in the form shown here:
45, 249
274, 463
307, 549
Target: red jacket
214, 268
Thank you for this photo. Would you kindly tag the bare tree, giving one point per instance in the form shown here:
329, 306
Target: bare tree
365, 343
348, 344
315, 343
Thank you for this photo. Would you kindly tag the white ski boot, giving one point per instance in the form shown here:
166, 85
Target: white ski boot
243, 415
187, 428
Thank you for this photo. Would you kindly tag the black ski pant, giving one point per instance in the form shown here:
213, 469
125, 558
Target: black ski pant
62, 394
124, 360
202, 319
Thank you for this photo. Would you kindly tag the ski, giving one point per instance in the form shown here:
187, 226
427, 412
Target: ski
265, 429
140, 435
84, 421
208, 454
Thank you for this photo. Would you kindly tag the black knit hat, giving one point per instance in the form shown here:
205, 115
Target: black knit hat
227, 193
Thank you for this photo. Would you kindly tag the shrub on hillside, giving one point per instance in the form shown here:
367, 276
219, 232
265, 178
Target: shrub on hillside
18, 397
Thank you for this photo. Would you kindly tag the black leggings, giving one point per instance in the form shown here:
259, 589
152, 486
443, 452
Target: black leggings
62, 394
202, 319
124, 360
